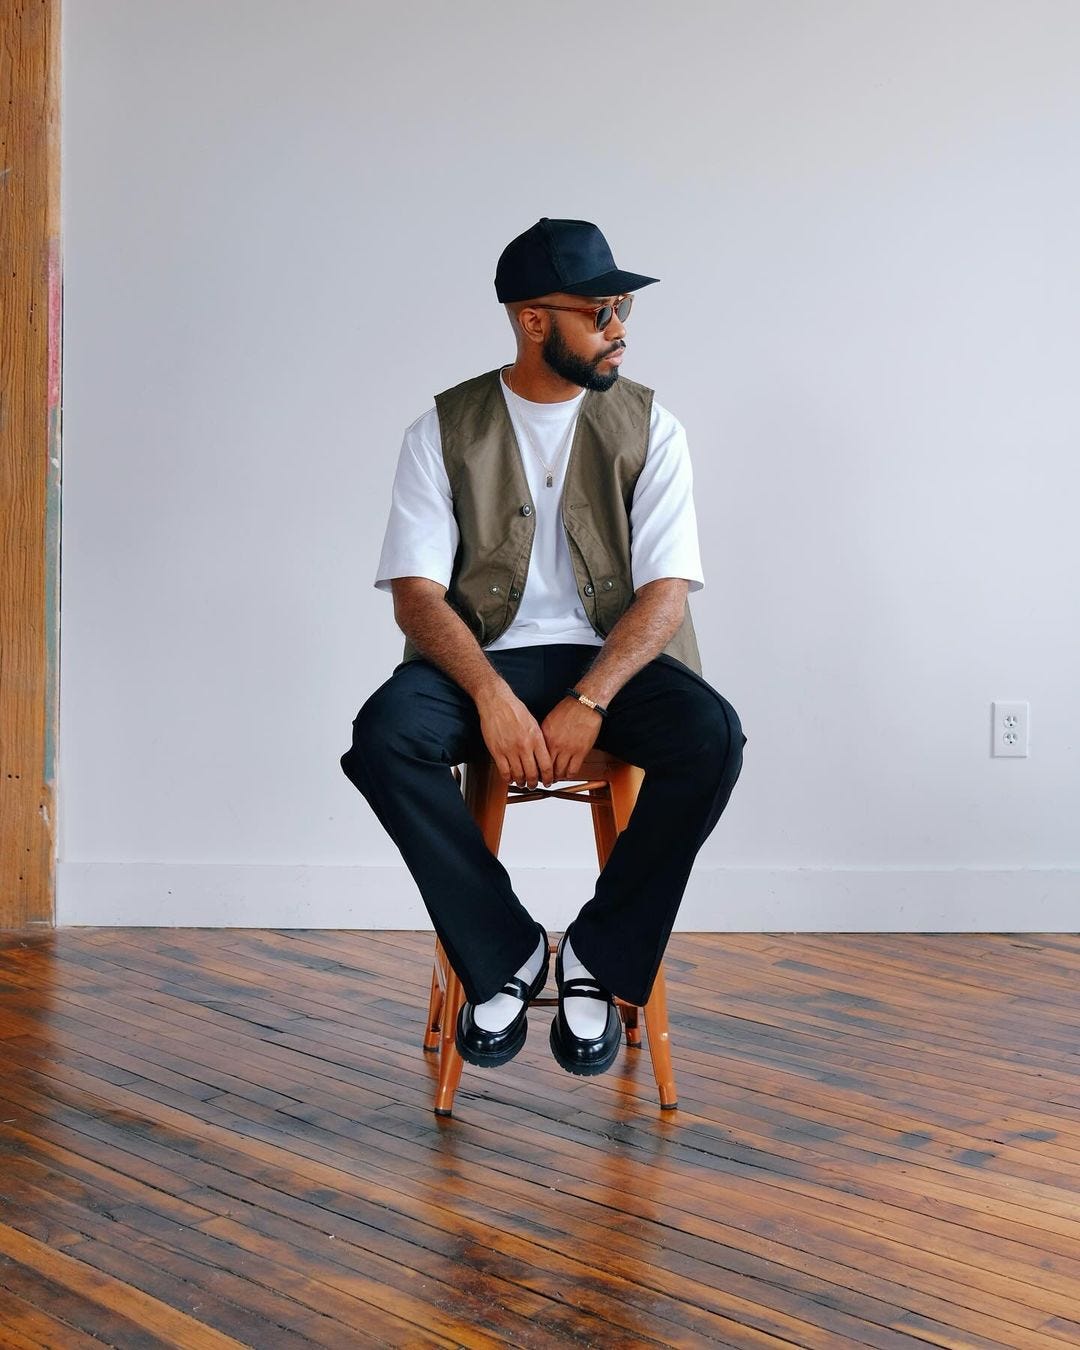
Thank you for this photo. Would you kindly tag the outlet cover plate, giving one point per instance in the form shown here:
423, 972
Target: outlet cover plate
1011, 723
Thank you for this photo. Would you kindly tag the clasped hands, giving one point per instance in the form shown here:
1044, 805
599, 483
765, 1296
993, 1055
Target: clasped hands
527, 752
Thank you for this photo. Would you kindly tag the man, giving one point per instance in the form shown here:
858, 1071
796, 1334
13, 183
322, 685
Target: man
540, 550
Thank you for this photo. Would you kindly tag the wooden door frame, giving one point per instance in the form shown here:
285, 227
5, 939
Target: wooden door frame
30, 308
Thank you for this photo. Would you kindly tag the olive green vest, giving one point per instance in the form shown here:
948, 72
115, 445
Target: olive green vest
495, 512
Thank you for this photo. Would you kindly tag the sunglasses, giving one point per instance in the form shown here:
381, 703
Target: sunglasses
602, 314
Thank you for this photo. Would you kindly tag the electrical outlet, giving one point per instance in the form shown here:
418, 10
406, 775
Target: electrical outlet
1010, 729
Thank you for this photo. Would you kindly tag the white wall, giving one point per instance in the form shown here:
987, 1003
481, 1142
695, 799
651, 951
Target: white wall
281, 222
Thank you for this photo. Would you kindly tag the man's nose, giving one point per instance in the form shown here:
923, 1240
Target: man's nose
615, 328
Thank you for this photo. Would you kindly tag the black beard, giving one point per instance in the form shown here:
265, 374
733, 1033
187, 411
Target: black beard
575, 368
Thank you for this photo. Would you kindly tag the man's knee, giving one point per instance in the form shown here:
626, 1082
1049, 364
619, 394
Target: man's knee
713, 738
376, 738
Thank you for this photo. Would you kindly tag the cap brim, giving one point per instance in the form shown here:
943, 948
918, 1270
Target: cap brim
609, 283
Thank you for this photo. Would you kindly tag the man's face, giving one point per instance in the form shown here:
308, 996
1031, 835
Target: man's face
575, 349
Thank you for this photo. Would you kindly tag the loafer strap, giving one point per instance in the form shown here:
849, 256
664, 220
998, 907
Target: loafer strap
581, 988
517, 987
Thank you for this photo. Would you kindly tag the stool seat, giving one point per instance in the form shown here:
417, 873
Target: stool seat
610, 786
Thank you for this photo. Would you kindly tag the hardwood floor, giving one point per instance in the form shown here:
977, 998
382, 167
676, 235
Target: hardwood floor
216, 1137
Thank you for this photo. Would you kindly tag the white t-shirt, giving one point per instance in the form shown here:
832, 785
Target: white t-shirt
422, 535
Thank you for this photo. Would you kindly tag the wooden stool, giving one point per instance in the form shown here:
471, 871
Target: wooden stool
611, 789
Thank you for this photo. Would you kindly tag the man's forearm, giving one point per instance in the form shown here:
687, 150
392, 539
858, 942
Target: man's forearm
640, 635
442, 636
510, 731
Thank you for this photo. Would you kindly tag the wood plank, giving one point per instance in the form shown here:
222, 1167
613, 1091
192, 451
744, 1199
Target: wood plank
899, 1018
963, 1045
504, 1179
221, 1199
854, 1162
25, 1326
272, 1305
124, 1199
38, 1201
616, 1305
791, 1060
96, 1303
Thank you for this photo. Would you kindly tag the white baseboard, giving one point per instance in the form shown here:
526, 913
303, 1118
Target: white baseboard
802, 899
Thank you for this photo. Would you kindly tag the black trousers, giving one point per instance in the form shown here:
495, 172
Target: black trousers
666, 719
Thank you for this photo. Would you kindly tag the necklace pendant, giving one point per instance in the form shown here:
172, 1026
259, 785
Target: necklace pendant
549, 482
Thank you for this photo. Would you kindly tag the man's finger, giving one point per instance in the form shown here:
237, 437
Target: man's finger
543, 759
513, 768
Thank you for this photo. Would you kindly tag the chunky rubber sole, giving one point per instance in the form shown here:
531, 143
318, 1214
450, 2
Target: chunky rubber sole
496, 1057
581, 1068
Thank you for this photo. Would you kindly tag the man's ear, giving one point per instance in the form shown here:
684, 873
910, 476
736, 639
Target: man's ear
532, 323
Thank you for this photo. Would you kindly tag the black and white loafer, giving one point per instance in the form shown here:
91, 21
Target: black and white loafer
578, 1054
488, 1049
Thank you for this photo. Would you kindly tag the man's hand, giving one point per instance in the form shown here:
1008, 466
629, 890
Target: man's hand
514, 738
570, 730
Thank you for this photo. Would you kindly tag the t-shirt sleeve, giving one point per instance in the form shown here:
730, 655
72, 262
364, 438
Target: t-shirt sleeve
421, 533
663, 524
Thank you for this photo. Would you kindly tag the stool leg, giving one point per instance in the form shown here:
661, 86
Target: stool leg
485, 796
435, 1003
629, 1014
611, 810
656, 1023
605, 829
450, 1061
625, 784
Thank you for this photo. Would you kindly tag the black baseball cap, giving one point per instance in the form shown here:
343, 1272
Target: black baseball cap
561, 255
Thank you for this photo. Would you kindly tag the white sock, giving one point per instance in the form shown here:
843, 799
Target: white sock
500, 1011
586, 1017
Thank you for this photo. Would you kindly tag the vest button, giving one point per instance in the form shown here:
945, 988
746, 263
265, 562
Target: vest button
589, 590
494, 590
608, 585
515, 594
526, 510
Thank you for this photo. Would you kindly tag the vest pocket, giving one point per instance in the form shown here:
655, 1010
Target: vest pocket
603, 578
494, 613
613, 596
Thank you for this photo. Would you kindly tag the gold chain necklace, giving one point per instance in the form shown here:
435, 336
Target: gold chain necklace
549, 469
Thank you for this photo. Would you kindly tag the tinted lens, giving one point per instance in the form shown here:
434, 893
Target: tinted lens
605, 313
